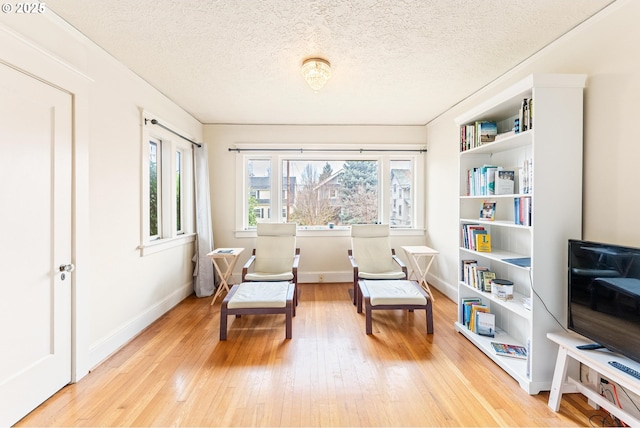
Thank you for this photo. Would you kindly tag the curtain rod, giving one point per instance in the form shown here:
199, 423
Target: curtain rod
301, 150
155, 122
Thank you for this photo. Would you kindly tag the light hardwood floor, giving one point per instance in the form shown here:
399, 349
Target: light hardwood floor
178, 373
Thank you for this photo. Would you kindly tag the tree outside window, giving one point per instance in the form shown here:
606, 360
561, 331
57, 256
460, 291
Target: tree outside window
315, 191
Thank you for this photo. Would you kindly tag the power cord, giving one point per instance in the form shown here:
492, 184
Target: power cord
543, 303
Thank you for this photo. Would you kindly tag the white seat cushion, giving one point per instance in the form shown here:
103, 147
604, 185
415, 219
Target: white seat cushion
381, 275
264, 276
260, 295
394, 292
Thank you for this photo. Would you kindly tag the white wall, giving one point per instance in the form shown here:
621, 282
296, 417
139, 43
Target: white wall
324, 253
117, 292
603, 48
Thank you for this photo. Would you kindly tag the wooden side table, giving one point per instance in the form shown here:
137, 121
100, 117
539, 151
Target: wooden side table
415, 254
230, 257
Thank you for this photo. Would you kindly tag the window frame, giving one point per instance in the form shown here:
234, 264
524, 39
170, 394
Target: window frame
168, 234
368, 153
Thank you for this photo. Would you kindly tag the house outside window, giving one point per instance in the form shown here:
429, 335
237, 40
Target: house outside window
401, 181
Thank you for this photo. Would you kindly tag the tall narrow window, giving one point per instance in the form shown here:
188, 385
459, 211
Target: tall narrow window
401, 173
167, 187
259, 202
154, 188
179, 192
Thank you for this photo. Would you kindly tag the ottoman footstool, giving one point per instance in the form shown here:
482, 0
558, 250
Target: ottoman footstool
251, 298
393, 294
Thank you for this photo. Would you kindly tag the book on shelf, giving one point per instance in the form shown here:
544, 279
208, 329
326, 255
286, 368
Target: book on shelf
486, 324
476, 134
525, 177
483, 243
529, 173
482, 180
524, 114
477, 276
465, 306
505, 182
522, 210
490, 177
473, 316
488, 210
524, 122
485, 279
465, 269
508, 350
469, 235
487, 179
474, 237
470, 136
224, 251
486, 132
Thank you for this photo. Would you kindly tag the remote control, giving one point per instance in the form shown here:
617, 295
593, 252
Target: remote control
627, 370
590, 346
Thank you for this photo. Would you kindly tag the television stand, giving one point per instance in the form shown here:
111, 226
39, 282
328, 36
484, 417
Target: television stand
566, 378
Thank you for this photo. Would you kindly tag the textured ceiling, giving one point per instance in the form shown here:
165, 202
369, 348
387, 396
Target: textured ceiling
396, 62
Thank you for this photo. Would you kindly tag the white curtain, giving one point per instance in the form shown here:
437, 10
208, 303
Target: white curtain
203, 275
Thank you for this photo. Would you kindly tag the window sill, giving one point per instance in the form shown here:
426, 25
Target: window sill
158, 245
325, 232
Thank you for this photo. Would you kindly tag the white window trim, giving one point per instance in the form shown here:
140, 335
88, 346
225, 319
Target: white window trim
169, 237
419, 165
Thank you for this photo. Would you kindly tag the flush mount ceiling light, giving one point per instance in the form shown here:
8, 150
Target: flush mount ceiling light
316, 72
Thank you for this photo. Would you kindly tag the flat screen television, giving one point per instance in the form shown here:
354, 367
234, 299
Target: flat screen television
604, 295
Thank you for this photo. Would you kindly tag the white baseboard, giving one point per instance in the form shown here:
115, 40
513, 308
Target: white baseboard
121, 336
442, 286
314, 277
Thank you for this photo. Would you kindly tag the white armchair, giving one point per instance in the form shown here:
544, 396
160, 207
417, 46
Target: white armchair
275, 257
372, 257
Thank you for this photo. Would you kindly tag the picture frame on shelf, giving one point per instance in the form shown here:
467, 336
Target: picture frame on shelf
488, 211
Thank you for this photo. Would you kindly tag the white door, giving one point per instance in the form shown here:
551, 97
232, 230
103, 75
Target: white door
35, 217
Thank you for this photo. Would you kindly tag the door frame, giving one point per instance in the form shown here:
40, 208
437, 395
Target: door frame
24, 53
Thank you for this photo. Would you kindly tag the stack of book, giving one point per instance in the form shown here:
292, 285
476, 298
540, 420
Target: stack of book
525, 177
476, 134
477, 317
478, 277
524, 122
470, 239
522, 210
483, 180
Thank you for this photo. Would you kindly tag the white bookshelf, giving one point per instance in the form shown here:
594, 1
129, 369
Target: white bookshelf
554, 145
